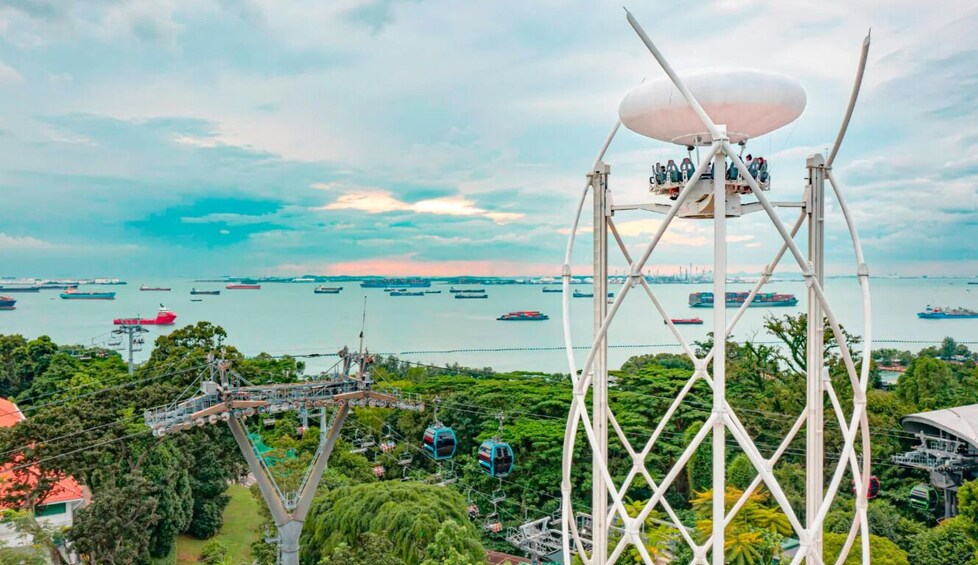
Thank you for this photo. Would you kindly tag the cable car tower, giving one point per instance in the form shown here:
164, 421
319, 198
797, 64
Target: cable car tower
715, 112
228, 397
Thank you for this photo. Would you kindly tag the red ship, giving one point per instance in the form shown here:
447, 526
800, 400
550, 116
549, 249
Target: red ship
164, 317
243, 286
686, 321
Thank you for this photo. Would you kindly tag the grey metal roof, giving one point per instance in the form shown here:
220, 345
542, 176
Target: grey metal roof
960, 421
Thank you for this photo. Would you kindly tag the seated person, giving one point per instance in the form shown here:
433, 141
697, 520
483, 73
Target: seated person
732, 172
660, 174
672, 171
762, 174
752, 167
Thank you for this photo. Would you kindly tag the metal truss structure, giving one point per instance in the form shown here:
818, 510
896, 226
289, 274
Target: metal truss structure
611, 531
227, 397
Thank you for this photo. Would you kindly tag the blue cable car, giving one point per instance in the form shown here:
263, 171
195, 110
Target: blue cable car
439, 442
496, 458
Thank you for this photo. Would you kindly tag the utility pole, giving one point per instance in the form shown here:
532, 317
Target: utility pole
132, 330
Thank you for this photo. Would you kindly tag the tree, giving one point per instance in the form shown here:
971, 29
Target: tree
445, 549
883, 551
117, 526
411, 514
215, 552
950, 542
753, 536
927, 384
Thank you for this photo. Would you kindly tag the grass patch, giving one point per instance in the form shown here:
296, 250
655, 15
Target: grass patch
242, 525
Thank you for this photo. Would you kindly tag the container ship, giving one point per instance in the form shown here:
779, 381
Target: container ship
396, 283
939, 313
19, 288
196, 292
145, 288
529, 315
327, 289
164, 317
454, 290
735, 299
406, 293
7, 303
553, 290
470, 295
75, 294
243, 286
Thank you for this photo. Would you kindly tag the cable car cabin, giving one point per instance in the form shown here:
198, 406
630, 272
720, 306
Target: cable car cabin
874, 488
923, 497
439, 442
496, 458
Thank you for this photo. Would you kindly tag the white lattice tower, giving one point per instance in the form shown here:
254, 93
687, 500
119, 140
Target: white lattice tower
599, 420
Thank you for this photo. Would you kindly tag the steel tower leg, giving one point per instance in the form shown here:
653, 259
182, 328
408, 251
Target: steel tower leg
814, 441
720, 350
599, 393
289, 525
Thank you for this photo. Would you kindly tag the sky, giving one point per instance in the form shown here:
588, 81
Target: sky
420, 137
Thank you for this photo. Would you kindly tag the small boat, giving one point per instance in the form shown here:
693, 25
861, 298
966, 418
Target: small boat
20, 288
465, 295
7, 303
558, 290
164, 317
405, 293
686, 321
454, 290
243, 286
939, 313
579, 294
432, 292
327, 289
527, 315
145, 288
196, 299
195, 292
75, 294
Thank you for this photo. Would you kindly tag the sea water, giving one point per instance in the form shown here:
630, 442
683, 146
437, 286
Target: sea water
438, 329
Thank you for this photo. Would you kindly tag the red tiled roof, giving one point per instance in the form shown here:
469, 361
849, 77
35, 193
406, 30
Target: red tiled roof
66, 489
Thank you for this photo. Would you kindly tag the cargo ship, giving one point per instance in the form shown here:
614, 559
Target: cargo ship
243, 286
406, 293
20, 288
735, 299
164, 317
553, 290
75, 294
327, 289
7, 303
396, 283
465, 295
579, 294
939, 313
528, 315
196, 292
454, 290
685, 321
145, 288
432, 292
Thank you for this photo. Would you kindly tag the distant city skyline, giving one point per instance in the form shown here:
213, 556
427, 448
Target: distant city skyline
385, 137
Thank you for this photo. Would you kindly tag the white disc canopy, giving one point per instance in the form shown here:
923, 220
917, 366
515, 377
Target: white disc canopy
750, 103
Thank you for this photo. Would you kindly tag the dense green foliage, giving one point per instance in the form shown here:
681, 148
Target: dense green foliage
146, 491
410, 515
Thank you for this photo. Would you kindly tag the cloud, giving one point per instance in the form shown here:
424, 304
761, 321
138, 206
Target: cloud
378, 201
8, 74
24, 243
407, 265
